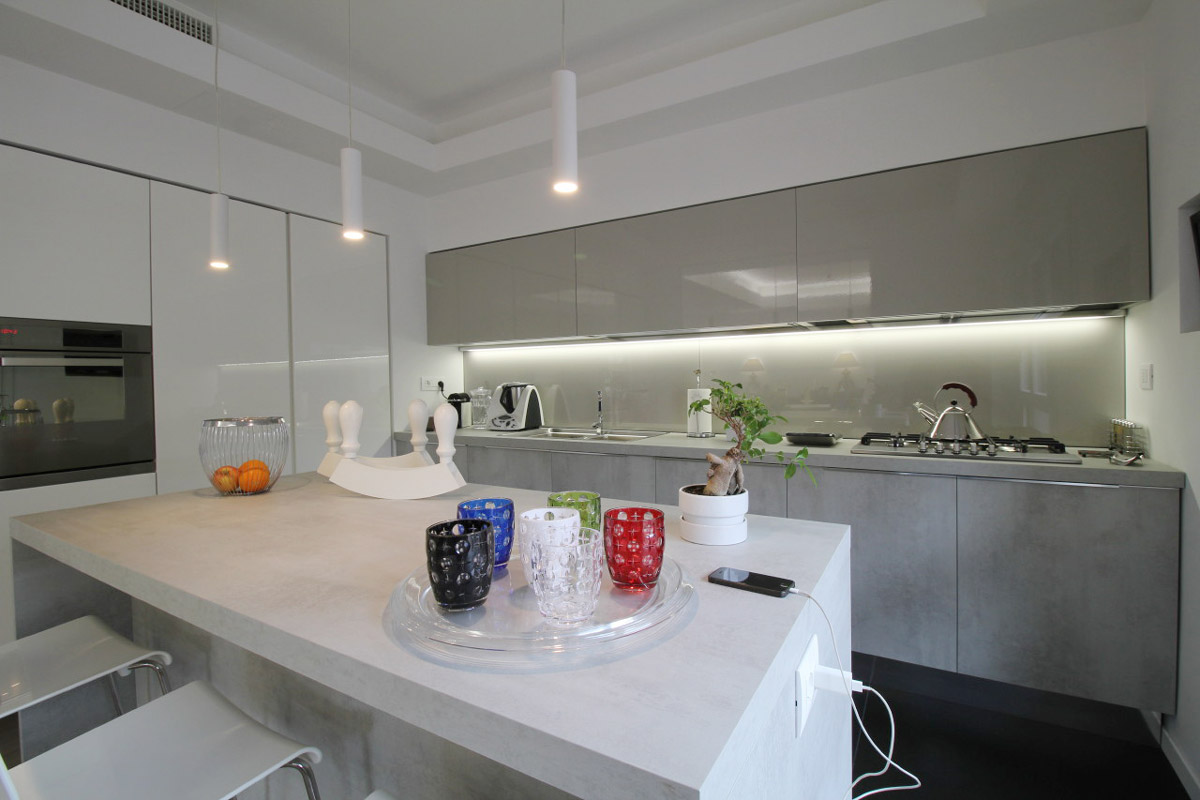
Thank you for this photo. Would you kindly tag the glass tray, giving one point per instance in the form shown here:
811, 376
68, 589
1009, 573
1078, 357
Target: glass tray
508, 632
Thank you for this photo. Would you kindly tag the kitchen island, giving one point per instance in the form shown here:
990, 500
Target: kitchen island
278, 599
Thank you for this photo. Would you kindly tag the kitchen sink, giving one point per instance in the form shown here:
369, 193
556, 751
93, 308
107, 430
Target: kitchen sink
587, 434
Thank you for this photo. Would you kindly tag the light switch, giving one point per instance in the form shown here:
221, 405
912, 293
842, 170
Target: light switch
1146, 376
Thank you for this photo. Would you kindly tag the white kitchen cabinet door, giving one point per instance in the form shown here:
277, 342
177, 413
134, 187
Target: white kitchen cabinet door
339, 335
76, 240
220, 336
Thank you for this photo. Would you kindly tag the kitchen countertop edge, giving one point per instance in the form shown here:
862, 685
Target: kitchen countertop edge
1151, 474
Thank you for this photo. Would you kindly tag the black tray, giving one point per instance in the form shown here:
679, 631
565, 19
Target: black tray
813, 439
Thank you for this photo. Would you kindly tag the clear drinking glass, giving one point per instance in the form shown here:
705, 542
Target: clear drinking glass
564, 563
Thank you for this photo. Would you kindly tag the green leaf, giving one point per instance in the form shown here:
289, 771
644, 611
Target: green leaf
770, 437
789, 472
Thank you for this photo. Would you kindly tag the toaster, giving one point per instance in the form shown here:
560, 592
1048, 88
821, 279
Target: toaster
514, 406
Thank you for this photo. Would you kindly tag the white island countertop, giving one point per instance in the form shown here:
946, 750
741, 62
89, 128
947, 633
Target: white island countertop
301, 576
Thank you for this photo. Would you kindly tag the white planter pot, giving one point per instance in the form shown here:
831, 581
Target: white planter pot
713, 520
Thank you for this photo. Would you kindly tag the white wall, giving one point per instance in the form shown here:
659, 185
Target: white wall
1075, 87
1153, 330
60, 115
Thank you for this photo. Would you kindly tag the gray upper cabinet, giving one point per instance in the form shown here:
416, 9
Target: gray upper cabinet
1059, 224
1055, 224
725, 264
520, 288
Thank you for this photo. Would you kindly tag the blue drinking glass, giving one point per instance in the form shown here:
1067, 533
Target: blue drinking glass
499, 512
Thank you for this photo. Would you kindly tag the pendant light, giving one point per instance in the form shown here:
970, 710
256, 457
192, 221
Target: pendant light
352, 195
566, 147
218, 207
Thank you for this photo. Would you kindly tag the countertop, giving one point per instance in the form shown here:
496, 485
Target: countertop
1149, 473
301, 575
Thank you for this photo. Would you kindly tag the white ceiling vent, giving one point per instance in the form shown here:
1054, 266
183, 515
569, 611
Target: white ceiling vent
171, 17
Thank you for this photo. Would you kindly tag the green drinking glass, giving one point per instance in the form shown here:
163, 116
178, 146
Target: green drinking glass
586, 503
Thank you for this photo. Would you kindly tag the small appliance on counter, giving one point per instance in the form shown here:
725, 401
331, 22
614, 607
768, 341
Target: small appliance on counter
458, 400
515, 406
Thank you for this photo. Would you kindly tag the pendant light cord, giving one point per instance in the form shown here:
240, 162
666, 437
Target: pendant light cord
349, 82
562, 62
216, 86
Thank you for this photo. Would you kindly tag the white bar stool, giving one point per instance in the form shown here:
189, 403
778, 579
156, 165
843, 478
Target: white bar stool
38, 667
191, 744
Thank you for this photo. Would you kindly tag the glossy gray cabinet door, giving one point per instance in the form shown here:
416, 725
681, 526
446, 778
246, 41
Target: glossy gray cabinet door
902, 531
1063, 223
615, 477
766, 484
731, 263
506, 466
1071, 589
521, 288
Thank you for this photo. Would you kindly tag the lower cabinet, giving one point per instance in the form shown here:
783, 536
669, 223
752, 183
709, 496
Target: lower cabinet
505, 466
617, 477
1069, 588
903, 570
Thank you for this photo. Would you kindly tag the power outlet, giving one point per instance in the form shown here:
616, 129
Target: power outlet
1146, 376
806, 683
431, 384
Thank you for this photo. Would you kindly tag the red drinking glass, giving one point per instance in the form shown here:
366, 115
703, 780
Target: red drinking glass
633, 546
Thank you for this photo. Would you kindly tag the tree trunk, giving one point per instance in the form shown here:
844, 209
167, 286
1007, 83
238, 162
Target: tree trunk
725, 474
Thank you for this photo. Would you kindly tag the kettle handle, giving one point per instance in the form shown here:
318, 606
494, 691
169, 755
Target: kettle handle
970, 394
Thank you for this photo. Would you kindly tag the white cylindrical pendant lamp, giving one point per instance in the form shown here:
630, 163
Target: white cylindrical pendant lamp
218, 231
566, 148
352, 196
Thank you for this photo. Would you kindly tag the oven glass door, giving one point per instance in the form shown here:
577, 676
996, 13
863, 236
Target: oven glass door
73, 411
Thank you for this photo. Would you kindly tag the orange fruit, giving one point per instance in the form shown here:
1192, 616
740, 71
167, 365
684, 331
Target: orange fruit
253, 480
254, 463
225, 479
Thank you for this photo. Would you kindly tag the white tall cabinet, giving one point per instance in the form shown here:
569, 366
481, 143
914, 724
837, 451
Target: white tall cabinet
76, 241
220, 336
339, 335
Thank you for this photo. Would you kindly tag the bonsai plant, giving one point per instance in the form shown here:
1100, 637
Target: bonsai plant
748, 419
715, 512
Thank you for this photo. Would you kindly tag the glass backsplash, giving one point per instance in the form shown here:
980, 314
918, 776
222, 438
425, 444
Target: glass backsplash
1063, 378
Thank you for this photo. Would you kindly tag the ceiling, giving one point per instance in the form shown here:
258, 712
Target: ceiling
447, 93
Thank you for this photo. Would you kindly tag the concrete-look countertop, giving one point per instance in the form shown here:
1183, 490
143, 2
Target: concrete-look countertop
1149, 473
301, 575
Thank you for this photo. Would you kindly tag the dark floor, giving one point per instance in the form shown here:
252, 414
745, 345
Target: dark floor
962, 751
10, 740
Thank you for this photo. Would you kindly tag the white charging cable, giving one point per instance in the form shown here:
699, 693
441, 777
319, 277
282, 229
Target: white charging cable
851, 686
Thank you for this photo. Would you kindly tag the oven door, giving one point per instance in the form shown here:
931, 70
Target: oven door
68, 416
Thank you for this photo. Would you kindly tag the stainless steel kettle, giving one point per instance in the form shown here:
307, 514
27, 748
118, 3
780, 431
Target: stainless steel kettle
954, 421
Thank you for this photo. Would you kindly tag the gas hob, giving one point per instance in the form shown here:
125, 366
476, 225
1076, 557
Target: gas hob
1038, 450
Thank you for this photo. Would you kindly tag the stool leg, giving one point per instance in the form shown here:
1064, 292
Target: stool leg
164, 683
305, 769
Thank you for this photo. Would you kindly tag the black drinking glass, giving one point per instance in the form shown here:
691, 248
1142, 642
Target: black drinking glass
460, 554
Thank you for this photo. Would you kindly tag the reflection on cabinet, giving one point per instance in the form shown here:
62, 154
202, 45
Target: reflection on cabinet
339, 335
725, 264
76, 240
1078, 593
221, 336
520, 288
903, 532
1055, 224
616, 477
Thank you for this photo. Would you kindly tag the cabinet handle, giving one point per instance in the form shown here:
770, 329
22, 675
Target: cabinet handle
51, 361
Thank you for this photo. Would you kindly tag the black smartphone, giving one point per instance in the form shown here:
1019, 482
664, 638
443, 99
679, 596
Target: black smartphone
751, 581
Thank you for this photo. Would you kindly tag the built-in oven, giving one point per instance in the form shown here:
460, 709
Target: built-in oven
76, 402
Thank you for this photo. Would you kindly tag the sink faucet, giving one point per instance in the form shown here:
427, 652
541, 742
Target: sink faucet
599, 423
